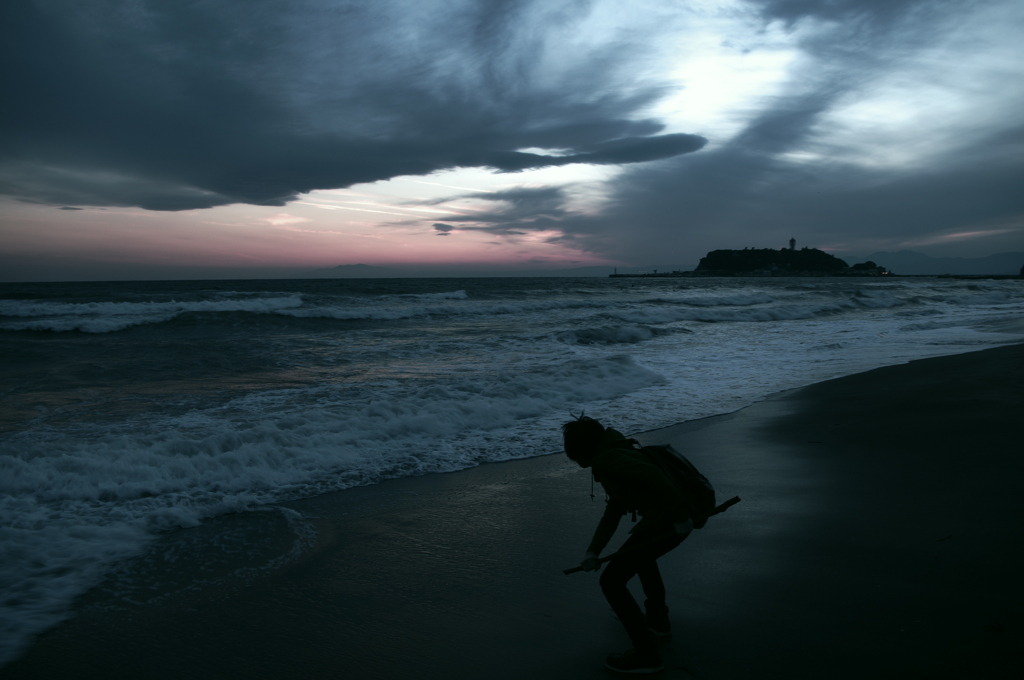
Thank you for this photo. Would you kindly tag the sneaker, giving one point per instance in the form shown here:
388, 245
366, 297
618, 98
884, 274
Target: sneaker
657, 621
632, 661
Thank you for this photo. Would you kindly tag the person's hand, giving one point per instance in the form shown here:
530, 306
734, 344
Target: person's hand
683, 528
590, 562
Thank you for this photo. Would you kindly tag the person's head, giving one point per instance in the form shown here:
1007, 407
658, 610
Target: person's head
581, 438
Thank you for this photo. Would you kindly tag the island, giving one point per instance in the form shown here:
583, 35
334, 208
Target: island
769, 262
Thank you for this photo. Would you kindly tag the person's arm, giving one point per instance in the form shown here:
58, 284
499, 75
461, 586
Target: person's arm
605, 528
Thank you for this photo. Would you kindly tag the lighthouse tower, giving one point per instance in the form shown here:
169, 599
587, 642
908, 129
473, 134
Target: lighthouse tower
792, 244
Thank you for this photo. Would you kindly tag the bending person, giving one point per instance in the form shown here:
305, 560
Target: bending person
633, 485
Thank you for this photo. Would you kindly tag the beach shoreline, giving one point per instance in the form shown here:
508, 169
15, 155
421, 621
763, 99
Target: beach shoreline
877, 528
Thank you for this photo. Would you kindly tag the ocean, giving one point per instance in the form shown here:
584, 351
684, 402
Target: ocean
130, 409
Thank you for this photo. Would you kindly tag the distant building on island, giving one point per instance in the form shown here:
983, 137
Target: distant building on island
792, 244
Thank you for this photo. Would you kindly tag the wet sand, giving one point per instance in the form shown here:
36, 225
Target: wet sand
879, 536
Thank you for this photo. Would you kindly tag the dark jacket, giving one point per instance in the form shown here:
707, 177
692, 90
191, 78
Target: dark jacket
633, 484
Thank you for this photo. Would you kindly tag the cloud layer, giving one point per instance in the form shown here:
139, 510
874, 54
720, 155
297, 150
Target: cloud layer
803, 166
892, 123
173, 106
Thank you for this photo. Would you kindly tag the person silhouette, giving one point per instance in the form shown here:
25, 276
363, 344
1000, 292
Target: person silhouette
633, 485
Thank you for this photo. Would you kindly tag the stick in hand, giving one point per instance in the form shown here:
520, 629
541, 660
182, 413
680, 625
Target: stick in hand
720, 508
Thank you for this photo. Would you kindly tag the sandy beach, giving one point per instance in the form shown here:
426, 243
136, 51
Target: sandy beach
878, 536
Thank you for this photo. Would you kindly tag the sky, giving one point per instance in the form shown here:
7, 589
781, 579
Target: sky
220, 138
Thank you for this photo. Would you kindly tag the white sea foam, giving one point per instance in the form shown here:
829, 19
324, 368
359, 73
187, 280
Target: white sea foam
762, 314
38, 308
488, 308
107, 317
1012, 325
88, 324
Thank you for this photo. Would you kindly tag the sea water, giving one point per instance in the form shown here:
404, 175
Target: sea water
129, 409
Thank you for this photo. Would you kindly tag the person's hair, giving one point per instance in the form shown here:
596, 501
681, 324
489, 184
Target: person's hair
581, 437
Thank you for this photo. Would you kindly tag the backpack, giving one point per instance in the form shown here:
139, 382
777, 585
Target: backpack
695, 487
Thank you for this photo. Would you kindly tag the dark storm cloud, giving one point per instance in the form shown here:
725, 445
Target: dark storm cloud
173, 106
516, 211
614, 152
442, 229
842, 10
749, 191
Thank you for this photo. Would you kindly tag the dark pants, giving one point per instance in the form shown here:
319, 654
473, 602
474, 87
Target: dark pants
643, 563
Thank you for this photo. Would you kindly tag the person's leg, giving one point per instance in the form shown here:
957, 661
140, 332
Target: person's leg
655, 607
613, 583
639, 557
650, 579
